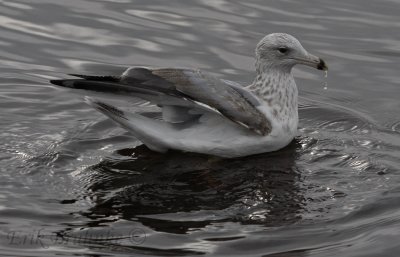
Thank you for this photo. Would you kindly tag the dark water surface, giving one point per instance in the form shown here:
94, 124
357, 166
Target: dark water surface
74, 184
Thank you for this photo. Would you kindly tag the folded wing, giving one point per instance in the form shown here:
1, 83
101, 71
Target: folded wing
177, 91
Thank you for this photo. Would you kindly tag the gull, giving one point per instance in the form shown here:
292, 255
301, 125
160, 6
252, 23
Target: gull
204, 114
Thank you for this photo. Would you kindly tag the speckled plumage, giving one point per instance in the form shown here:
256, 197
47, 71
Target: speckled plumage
278, 90
207, 115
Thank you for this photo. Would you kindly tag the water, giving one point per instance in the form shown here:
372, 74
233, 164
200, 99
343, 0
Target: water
74, 184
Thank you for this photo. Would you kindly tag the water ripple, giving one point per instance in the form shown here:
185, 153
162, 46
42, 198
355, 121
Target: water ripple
67, 169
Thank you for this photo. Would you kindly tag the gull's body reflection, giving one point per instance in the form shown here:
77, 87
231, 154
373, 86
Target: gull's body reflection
188, 188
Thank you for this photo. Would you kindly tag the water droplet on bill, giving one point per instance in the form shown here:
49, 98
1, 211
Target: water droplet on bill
325, 84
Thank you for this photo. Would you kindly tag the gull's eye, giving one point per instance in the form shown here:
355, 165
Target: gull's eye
283, 50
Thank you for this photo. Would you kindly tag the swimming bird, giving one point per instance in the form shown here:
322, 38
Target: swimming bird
204, 114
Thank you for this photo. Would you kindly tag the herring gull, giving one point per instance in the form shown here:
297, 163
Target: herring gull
204, 114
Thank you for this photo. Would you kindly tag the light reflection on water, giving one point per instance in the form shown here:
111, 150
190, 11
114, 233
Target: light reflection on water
67, 170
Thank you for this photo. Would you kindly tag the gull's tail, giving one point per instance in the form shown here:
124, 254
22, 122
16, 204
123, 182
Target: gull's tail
149, 131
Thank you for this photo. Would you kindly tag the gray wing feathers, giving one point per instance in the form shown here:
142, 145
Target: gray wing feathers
237, 105
179, 90
254, 100
177, 114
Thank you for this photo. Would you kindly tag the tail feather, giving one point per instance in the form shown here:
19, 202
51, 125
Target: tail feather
141, 127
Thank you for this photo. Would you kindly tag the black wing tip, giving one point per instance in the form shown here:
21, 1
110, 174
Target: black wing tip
77, 83
105, 108
96, 78
57, 82
63, 82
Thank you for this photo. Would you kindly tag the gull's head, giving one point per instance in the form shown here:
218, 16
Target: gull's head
282, 51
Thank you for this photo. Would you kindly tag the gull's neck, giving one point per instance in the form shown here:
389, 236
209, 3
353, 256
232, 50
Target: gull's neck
278, 90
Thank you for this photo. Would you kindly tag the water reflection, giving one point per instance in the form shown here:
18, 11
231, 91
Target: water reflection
164, 190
